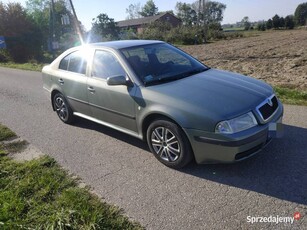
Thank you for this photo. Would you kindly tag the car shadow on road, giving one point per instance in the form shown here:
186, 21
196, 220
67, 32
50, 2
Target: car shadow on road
279, 170
86, 124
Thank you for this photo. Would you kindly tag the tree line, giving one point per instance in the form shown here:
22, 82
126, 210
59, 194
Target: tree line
34, 31
201, 21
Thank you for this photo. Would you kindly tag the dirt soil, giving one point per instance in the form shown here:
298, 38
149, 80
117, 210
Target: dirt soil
277, 57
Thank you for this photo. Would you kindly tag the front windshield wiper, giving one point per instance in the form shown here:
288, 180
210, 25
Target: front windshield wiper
168, 78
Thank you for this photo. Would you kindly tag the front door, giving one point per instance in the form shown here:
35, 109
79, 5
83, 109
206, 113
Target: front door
111, 104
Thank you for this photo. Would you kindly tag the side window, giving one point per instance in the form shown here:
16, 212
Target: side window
105, 65
77, 63
64, 63
74, 62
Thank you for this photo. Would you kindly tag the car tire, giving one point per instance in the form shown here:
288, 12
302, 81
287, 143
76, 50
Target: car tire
169, 144
62, 108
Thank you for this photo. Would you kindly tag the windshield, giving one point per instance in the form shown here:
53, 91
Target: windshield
160, 63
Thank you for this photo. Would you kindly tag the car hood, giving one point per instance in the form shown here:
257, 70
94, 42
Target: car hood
216, 94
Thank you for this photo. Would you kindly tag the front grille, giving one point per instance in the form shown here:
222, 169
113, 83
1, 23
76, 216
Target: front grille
268, 107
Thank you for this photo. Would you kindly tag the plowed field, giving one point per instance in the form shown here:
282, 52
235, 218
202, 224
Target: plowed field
277, 57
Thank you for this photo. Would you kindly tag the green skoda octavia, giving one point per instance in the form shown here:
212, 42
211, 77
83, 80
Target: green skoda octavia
151, 90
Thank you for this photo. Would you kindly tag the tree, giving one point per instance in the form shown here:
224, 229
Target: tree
133, 11
269, 24
276, 21
300, 14
261, 26
105, 27
289, 22
212, 12
22, 37
51, 24
246, 23
39, 11
185, 12
149, 9
282, 22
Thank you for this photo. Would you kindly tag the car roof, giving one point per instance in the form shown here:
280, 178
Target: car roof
124, 43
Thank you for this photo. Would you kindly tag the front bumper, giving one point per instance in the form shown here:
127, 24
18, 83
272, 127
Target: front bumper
210, 147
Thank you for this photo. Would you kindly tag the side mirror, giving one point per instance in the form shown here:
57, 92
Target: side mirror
118, 80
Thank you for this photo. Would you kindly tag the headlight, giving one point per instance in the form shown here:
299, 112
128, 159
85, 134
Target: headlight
237, 124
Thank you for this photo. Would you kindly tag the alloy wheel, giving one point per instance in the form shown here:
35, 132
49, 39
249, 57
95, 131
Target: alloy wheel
61, 108
165, 144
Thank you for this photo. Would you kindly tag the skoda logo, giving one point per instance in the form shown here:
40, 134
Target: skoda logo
270, 102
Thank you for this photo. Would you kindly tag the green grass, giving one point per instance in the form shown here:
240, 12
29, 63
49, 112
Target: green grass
24, 66
6, 133
291, 96
233, 29
39, 194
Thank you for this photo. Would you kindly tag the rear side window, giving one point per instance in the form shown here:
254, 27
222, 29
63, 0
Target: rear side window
64, 63
74, 62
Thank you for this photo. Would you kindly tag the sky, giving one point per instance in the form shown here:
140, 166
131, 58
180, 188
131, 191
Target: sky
256, 10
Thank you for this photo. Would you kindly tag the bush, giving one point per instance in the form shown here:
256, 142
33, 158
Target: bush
22, 48
261, 26
4, 55
128, 34
156, 31
184, 35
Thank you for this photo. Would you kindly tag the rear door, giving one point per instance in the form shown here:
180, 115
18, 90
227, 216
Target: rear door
111, 104
72, 79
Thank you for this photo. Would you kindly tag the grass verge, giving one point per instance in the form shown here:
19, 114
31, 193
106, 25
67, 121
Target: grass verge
6, 133
38, 194
24, 66
291, 96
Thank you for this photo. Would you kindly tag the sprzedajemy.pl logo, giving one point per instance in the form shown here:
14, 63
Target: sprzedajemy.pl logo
273, 219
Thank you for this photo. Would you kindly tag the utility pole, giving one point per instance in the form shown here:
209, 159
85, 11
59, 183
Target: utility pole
204, 17
199, 7
76, 23
204, 8
52, 15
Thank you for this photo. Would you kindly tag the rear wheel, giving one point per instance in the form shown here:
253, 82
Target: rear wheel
169, 144
62, 108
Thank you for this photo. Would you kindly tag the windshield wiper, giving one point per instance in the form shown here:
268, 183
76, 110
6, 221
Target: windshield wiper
193, 72
167, 78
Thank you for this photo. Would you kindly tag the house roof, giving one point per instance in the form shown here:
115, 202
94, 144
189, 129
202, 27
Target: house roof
139, 21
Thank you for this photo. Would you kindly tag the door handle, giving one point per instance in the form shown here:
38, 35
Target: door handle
61, 81
91, 89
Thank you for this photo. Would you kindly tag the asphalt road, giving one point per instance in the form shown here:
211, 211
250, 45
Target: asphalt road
121, 169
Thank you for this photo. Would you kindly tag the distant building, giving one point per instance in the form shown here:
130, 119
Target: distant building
139, 24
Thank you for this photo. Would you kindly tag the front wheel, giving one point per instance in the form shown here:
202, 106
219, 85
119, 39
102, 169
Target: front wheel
62, 108
169, 144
